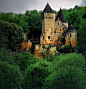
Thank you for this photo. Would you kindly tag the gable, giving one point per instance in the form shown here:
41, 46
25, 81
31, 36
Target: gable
58, 23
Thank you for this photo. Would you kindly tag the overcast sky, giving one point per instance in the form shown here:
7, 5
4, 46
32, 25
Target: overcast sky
20, 6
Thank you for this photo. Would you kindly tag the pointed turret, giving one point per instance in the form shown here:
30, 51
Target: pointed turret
61, 16
72, 27
46, 10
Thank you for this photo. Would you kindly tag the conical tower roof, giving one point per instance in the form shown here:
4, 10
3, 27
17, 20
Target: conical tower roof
47, 9
72, 27
61, 16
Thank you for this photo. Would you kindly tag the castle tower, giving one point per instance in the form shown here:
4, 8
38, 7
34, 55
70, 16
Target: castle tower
48, 25
71, 36
61, 25
62, 18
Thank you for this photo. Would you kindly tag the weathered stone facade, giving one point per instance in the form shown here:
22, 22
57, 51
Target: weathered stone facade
55, 31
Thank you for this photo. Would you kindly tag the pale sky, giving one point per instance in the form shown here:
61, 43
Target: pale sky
20, 6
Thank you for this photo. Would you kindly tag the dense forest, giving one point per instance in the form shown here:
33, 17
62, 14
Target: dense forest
24, 71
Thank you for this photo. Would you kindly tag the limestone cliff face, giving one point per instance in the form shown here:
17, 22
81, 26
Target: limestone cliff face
25, 46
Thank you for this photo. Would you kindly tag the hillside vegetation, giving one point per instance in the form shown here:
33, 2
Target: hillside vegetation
25, 71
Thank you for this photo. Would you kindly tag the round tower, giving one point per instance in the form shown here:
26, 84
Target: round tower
71, 36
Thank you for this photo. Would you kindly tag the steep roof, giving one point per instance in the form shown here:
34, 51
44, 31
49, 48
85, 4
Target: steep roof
61, 16
72, 27
47, 9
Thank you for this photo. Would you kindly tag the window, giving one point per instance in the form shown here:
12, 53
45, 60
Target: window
47, 14
60, 29
43, 37
54, 31
48, 37
70, 35
58, 23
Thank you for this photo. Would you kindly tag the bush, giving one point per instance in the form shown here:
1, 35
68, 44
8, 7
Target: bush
67, 49
10, 76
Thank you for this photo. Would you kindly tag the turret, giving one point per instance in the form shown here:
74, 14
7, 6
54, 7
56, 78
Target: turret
71, 35
62, 18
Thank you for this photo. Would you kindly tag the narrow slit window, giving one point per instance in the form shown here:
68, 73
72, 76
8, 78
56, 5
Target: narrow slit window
48, 37
58, 23
43, 37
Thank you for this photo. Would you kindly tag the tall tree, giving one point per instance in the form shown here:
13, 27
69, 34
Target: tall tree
36, 73
13, 33
10, 76
82, 37
69, 73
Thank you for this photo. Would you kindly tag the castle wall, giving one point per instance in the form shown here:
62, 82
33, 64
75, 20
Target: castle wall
71, 38
25, 45
39, 50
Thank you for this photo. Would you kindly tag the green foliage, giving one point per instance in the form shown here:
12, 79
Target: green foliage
46, 54
7, 56
74, 19
82, 37
67, 49
69, 70
27, 21
71, 59
3, 40
10, 76
18, 19
69, 73
36, 73
24, 59
12, 33
35, 23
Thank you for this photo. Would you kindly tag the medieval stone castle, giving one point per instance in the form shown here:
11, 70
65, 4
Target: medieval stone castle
55, 31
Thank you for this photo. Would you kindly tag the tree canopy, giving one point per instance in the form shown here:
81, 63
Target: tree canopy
11, 35
25, 71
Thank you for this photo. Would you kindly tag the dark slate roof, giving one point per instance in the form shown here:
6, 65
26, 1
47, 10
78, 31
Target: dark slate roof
72, 27
47, 9
61, 16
